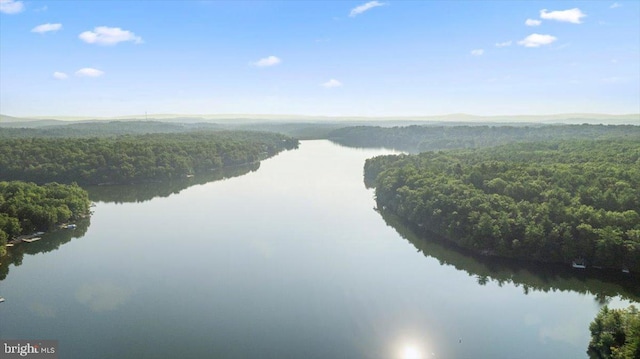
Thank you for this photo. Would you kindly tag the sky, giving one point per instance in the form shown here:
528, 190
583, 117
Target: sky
321, 58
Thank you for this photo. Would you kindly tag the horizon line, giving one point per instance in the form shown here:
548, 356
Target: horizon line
265, 115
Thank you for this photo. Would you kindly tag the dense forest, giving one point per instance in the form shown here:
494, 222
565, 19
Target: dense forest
300, 130
133, 158
550, 202
27, 207
615, 334
428, 138
103, 129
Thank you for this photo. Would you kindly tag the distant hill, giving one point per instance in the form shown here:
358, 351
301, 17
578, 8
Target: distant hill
467, 119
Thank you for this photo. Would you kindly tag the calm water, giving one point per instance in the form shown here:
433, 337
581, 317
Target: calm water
286, 261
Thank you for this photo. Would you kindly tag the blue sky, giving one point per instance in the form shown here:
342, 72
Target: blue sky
335, 58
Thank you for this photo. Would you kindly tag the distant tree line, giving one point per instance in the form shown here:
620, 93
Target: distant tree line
101, 128
615, 334
428, 138
27, 207
133, 158
548, 202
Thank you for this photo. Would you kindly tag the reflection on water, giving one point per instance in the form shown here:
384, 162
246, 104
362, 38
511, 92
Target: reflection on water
146, 191
43, 310
412, 350
50, 241
530, 276
118, 194
102, 296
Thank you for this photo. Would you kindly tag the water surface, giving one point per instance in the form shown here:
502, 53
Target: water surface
287, 261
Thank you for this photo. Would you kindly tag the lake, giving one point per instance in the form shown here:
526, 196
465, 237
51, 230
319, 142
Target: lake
288, 260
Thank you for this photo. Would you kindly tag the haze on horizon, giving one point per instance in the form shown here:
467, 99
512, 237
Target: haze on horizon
319, 58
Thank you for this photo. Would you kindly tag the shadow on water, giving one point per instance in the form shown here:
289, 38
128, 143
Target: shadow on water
146, 191
530, 276
50, 241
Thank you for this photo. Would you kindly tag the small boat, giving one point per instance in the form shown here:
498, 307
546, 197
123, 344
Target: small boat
1, 299
30, 240
625, 270
70, 226
579, 263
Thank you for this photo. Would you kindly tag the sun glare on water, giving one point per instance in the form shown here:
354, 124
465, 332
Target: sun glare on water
411, 353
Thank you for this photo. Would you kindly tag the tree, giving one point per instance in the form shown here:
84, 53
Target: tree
615, 334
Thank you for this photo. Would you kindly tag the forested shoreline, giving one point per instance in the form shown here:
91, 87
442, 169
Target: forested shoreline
27, 207
548, 202
432, 138
33, 200
530, 276
134, 158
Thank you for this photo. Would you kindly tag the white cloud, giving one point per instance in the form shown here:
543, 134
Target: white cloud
44, 8
532, 22
504, 44
60, 75
104, 35
331, 83
572, 15
615, 5
89, 72
364, 7
477, 52
41, 29
267, 61
11, 6
537, 40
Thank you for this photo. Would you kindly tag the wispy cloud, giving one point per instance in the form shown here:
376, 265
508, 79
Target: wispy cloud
504, 43
104, 35
477, 52
41, 29
267, 61
537, 40
573, 16
60, 75
331, 84
89, 72
11, 6
40, 9
532, 22
615, 5
364, 7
